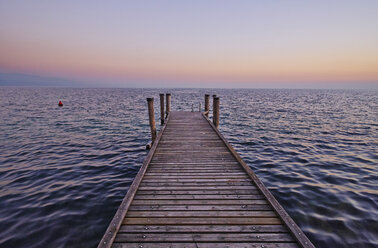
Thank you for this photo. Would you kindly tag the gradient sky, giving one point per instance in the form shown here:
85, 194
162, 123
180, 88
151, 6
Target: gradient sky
192, 43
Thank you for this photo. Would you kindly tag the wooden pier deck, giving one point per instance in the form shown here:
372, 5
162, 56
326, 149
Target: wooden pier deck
194, 190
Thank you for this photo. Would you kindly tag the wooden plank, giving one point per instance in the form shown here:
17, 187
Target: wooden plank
203, 229
231, 185
195, 186
188, 186
188, 153
208, 207
195, 214
197, 132
198, 202
204, 237
188, 178
192, 148
202, 221
199, 171
193, 159
197, 160
201, 167
200, 152
210, 158
193, 173
198, 197
192, 151
197, 174
204, 245
202, 156
209, 176
173, 139
198, 192
188, 131
201, 148
220, 168
204, 152
185, 172
201, 183
194, 164
196, 180
177, 143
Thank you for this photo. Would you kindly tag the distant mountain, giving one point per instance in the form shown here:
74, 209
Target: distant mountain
18, 79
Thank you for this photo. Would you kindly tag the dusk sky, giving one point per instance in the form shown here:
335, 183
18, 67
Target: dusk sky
192, 43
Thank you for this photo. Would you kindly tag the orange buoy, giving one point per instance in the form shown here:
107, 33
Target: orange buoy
60, 104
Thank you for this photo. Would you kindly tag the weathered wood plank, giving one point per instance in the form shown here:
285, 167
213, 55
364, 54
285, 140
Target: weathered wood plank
197, 183
205, 245
197, 197
202, 221
198, 192
201, 167
189, 186
203, 229
199, 170
209, 176
193, 159
194, 164
210, 157
196, 174
184, 172
195, 214
220, 166
198, 202
196, 180
219, 154
232, 207
204, 237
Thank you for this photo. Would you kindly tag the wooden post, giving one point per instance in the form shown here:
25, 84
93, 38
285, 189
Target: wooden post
151, 117
207, 104
216, 112
214, 105
199, 107
168, 102
162, 109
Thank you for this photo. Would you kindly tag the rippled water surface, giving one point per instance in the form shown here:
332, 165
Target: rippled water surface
64, 171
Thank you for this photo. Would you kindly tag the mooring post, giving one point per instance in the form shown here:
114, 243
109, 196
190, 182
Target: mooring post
168, 102
151, 117
216, 112
162, 109
214, 105
207, 105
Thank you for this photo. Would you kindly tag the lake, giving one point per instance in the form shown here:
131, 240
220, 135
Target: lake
65, 170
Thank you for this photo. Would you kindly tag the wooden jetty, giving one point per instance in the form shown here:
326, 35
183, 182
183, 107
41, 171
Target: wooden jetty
194, 190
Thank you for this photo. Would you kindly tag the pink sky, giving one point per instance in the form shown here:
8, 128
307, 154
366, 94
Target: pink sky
201, 43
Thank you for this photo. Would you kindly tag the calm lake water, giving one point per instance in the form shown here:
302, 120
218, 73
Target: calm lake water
64, 171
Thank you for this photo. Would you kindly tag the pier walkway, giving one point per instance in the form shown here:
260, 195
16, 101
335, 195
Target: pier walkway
194, 190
